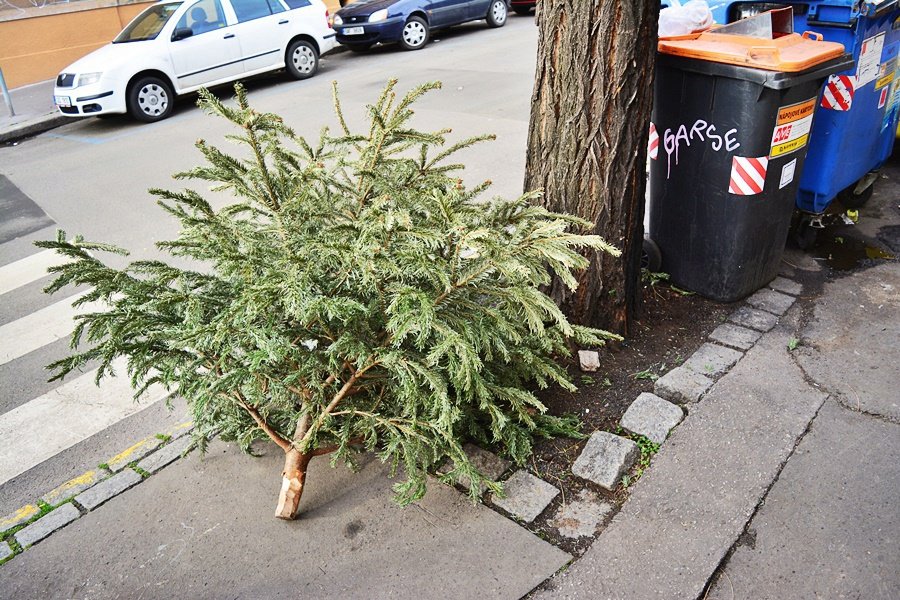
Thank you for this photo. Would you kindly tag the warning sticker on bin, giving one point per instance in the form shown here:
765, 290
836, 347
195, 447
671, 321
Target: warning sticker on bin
653, 142
748, 175
792, 128
839, 91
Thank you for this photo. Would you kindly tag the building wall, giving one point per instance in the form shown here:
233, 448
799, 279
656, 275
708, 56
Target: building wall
36, 43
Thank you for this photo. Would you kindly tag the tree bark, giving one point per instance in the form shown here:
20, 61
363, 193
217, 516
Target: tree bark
292, 480
587, 141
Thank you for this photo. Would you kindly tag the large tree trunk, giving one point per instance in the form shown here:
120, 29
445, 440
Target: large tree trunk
293, 478
587, 140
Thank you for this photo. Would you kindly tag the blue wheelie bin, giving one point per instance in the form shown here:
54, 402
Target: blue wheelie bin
856, 120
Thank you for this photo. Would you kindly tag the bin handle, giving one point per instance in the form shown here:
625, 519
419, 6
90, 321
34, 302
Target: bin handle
755, 52
812, 35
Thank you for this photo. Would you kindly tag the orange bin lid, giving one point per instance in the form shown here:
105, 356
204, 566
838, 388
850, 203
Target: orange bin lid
788, 53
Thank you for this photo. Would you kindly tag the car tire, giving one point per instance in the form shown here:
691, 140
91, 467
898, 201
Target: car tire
522, 10
415, 34
497, 13
150, 99
301, 59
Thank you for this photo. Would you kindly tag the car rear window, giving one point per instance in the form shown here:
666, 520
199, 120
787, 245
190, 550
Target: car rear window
247, 10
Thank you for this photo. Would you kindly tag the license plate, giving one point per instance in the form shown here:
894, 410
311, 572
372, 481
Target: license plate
354, 30
62, 101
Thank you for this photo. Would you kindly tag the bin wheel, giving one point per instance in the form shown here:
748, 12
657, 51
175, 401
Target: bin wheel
805, 236
851, 200
651, 257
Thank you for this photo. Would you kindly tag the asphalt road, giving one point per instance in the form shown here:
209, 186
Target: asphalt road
91, 178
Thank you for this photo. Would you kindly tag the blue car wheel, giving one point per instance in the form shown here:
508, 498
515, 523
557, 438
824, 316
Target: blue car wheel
415, 34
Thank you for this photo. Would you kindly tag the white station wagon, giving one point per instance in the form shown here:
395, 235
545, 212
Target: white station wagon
176, 47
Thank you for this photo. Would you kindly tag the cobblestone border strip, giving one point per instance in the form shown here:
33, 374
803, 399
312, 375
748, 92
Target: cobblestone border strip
69, 501
608, 457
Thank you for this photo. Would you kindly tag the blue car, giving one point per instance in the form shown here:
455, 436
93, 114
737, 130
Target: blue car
364, 23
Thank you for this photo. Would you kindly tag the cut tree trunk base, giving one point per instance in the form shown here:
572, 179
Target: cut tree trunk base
293, 478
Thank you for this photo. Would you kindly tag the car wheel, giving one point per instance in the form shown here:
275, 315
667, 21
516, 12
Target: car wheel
415, 34
497, 14
150, 99
522, 10
301, 59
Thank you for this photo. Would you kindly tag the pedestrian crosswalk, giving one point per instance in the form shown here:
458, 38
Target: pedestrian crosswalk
33, 430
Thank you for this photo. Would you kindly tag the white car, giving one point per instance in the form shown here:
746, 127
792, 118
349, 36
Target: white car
176, 47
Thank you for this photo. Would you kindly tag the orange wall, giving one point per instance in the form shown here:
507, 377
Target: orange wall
38, 48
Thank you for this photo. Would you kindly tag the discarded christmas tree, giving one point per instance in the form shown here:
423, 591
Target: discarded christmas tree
353, 298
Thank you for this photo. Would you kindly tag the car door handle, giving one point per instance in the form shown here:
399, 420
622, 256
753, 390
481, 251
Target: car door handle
228, 37
284, 22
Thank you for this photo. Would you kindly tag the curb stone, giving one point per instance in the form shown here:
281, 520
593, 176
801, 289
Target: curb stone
605, 459
526, 496
786, 286
771, 301
108, 489
43, 527
712, 360
166, 456
581, 517
5, 551
135, 452
682, 385
16, 518
735, 336
753, 318
652, 417
74, 486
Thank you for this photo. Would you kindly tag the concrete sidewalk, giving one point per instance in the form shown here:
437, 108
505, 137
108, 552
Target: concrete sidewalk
782, 482
34, 112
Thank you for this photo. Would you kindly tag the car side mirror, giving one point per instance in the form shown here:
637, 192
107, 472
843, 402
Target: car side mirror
182, 32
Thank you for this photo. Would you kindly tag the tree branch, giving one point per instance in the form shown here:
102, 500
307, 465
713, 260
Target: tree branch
261, 423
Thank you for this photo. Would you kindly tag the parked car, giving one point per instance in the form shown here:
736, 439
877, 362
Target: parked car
364, 23
522, 7
176, 47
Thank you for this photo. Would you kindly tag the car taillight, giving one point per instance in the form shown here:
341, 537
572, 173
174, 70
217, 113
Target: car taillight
328, 19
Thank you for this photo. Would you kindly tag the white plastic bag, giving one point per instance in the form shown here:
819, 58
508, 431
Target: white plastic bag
682, 19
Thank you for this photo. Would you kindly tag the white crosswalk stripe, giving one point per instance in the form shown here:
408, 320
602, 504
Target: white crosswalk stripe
40, 328
29, 269
45, 426
36, 430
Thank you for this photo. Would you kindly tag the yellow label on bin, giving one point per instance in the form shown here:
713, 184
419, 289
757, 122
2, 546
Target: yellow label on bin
792, 127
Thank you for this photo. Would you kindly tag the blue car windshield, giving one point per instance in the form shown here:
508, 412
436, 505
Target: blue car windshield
148, 24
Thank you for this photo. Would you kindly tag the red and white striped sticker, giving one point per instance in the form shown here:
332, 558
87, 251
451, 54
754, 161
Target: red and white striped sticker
653, 144
838, 94
748, 175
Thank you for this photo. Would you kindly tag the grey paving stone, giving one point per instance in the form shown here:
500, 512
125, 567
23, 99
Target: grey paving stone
787, 286
17, 517
712, 360
605, 459
5, 551
771, 301
488, 463
74, 486
526, 496
748, 316
682, 385
651, 416
107, 489
735, 336
56, 519
581, 517
134, 453
165, 455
